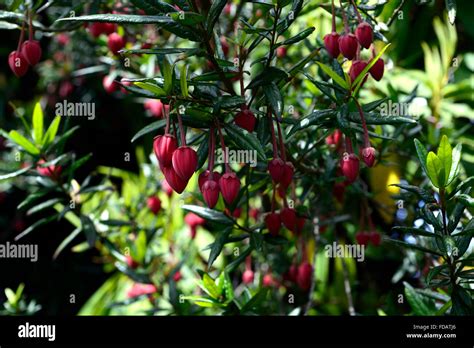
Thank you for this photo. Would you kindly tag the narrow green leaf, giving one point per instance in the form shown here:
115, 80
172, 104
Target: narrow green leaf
183, 81
332, 74
24, 143
298, 37
218, 245
358, 81
51, 131
148, 129
419, 304
208, 214
66, 242
38, 120
245, 140
167, 76
435, 169
445, 155
422, 154
155, 89
274, 98
14, 174
413, 246
456, 159
44, 205
214, 13
210, 286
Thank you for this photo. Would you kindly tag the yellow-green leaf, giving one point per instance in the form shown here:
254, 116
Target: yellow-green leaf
24, 143
51, 131
435, 168
445, 155
38, 124
335, 77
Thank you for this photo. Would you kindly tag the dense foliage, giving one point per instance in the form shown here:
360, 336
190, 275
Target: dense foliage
287, 157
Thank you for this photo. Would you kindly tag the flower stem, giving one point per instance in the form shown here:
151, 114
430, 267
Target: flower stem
227, 168
272, 130
282, 145
357, 11
364, 124
181, 128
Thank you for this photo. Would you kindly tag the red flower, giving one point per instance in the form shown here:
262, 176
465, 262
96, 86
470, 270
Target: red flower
350, 167
210, 192
18, 63
331, 42
348, 45
364, 34
230, 186
273, 223
276, 167
185, 162
115, 42
377, 69
31, 50
246, 120
154, 204
164, 147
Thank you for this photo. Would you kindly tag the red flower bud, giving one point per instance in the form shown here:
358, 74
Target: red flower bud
364, 34
350, 167
139, 289
293, 273
356, 69
276, 167
368, 155
108, 28
237, 212
131, 263
155, 107
362, 238
185, 162
177, 276
18, 63
31, 50
377, 69
167, 188
334, 138
230, 186
96, 29
205, 175
331, 41
246, 120
287, 177
210, 192
154, 204
193, 220
109, 84
51, 171
281, 51
273, 223
174, 180
375, 238
248, 276
303, 278
115, 42
268, 280
300, 221
348, 45
288, 218
164, 147
254, 213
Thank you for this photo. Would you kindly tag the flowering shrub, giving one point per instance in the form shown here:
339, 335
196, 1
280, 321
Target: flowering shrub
271, 173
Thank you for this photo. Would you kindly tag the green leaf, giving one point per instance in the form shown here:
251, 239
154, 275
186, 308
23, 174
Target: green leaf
24, 143
378, 119
427, 196
209, 214
183, 81
235, 263
358, 81
66, 242
14, 174
245, 140
413, 246
267, 76
214, 13
148, 129
256, 300
274, 98
187, 18
46, 204
419, 304
456, 159
335, 77
467, 200
35, 225
445, 155
51, 131
155, 89
301, 36
218, 245
435, 170
38, 120
417, 231
89, 230
167, 76
422, 155
209, 286
119, 18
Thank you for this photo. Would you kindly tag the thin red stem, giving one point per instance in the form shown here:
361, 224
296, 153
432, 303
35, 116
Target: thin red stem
274, 144
364, 124
357, 11
344, 19
333, 18
31, 25
227, 168
282, 145
22, 35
